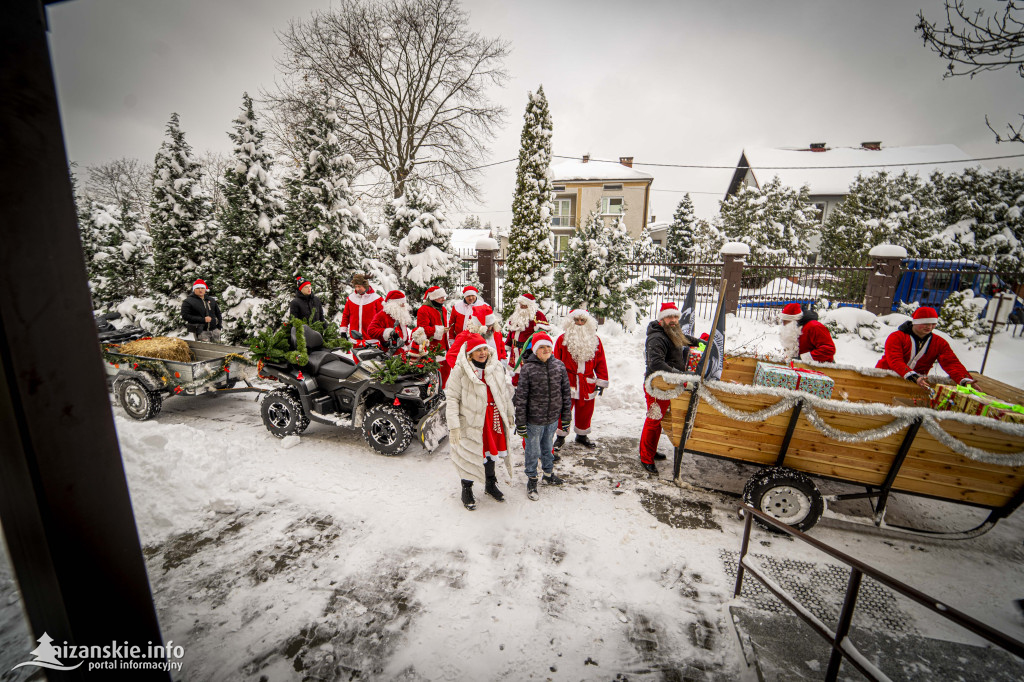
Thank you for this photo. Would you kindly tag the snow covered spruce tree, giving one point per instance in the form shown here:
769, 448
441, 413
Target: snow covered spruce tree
124, 260
423, 254
880, 209
595, 273
680, 240
775, 221
328, 242
248, 250
178, 218
531, 258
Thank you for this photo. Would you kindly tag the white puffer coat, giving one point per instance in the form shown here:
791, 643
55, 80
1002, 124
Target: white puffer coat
466, 408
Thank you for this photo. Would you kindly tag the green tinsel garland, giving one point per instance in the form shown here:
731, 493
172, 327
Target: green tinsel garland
394, 368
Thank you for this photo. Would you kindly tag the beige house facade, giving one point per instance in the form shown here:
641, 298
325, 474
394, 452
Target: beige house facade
612, 189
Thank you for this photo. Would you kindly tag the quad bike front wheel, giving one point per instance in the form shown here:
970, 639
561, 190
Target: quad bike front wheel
387, 429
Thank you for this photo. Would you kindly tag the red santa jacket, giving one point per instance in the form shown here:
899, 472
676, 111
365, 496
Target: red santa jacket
458, 316
495, 342
360, 310
434, 320
816, 340
906, 354
583, 379
539, 322
383, 327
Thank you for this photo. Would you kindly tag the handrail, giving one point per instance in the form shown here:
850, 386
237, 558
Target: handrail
842, 647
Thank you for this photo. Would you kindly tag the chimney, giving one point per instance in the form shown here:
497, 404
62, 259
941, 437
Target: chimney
817, 146
586, 157
874, 146
626, 161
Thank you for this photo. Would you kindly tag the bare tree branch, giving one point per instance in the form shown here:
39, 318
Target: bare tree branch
121, 182
973, 42
411, 80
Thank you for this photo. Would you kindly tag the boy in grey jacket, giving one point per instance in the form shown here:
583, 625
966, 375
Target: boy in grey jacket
543, 402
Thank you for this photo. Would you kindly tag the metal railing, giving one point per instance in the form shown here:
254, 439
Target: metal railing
765, 289
842, 646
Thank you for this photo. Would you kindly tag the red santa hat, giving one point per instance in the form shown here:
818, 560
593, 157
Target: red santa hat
434, 294
668, 309
199, 283
470, 290
926, 315
475, 342
394, 295
491, 319
792, 312
541, 339
527, 298
579, 312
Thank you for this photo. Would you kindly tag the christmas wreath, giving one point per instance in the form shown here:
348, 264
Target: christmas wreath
274, 345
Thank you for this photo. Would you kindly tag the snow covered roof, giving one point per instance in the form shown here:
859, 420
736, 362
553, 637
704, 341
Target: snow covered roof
818, 169
595, 170
467, 239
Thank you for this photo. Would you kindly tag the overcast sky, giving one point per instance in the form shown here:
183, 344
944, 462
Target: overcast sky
664, 81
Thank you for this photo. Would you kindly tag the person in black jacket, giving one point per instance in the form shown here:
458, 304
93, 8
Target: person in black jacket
667, 350
543, 402
202, 314
305, 303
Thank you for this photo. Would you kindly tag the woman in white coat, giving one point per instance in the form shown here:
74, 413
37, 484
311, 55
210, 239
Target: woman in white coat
480, 418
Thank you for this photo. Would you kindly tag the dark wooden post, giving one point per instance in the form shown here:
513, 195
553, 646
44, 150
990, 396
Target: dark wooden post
487, 270
733, 254
886, 259
64, 504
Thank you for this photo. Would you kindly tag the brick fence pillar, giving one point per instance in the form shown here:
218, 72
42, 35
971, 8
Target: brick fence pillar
733, 254
486, 269
886, 259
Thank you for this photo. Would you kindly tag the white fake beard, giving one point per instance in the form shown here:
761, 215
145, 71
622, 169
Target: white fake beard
521, 318
790, 337
399, 312
581, 340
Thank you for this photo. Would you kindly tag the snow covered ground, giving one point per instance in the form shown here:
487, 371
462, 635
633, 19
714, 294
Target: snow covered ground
315, 558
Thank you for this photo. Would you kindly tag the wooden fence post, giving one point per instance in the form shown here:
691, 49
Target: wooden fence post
486, 252
733, 254
886, 259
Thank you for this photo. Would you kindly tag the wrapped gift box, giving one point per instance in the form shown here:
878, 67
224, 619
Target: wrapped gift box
970, 401
693, 361
780, 376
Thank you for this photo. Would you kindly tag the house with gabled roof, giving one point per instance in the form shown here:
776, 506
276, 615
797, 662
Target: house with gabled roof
612, 189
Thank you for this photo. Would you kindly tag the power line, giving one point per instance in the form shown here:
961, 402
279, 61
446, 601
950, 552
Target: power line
438, 175
738, 167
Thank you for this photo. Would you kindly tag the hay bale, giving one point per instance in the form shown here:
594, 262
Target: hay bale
160, 347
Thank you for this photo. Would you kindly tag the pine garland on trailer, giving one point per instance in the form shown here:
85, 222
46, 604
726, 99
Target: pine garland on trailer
274, 345
170, 380
390, 370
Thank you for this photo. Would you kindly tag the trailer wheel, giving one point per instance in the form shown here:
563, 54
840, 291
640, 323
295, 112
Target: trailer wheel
282, 413
138, 401
788, 495
387, 429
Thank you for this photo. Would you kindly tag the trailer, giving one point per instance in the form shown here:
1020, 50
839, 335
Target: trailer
877, 432
140, 384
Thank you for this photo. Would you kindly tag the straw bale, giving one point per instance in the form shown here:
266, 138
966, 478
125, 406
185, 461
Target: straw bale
160, 347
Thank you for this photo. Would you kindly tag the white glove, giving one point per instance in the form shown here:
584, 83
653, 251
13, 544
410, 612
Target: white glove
806, 357
438, 333
455, 435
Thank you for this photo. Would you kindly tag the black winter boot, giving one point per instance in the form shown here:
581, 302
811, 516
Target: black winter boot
492, 482
552, 479
531, 488
559, 442
585, 442
467, 495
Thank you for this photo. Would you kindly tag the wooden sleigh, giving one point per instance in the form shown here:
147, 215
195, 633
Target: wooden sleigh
870, 434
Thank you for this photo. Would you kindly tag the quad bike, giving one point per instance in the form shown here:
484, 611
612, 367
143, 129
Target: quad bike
337, 387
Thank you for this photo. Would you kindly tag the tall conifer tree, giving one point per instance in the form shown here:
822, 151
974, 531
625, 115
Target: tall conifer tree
680, 242
424, 255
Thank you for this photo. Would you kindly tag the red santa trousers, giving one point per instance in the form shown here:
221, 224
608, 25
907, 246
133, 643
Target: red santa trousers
651, 434
445, 371
582, 413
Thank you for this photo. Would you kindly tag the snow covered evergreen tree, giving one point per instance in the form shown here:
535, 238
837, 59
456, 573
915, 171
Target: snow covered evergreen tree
595, 273
248, 250
775, 221
327, 228
880, 208
178, 217
680, 239
530, 263
124, 261
424, 255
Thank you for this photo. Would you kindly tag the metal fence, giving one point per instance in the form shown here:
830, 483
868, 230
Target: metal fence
765, 289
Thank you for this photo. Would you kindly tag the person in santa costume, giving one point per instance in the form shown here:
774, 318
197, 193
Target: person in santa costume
361, 306
913, 349
463, 310
804, 337
580, 350
484, 322
526, 319
432, 318
480, 414
393, 324
667, 349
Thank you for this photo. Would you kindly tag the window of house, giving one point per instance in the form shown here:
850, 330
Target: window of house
613, 188
561, 214
821, 212
562, 242
611, 205
559, 188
